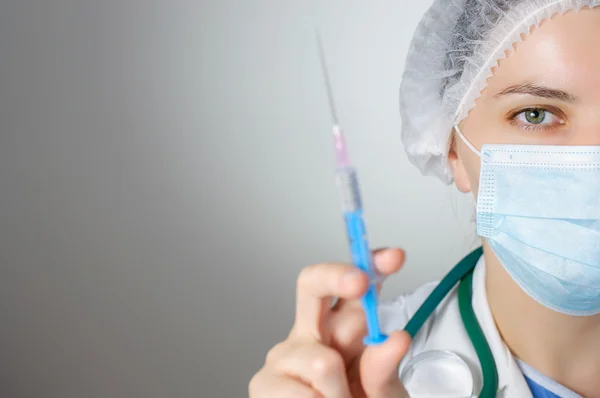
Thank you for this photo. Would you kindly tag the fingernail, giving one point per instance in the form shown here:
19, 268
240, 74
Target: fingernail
380, 250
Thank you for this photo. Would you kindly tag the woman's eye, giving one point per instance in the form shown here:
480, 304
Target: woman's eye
537, 116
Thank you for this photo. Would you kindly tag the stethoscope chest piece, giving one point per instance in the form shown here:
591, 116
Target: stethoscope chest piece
437, 374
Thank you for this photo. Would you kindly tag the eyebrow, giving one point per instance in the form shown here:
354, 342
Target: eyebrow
537, 91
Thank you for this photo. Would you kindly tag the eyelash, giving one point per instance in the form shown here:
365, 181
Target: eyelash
533, 127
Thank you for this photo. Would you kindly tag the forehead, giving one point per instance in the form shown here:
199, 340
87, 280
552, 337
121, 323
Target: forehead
562, 53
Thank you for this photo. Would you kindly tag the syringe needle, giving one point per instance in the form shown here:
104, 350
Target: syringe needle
325, 72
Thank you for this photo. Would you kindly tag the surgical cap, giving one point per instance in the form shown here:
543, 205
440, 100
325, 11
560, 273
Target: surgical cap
452, 54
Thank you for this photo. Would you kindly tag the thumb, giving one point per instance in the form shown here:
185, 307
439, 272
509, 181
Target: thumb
379, 367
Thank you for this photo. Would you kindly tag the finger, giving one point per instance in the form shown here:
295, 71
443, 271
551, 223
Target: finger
267, 385
348, 328
388, 261
317, 284
379, 367
319, 366
348, 322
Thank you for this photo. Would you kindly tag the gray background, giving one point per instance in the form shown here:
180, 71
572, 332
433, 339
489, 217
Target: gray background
166, 170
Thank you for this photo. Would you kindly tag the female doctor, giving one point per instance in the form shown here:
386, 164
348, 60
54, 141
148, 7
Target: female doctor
502, 98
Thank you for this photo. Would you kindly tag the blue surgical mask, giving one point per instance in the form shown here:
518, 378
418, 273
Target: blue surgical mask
539, 209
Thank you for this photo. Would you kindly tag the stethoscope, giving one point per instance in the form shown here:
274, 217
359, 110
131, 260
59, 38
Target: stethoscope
447, 364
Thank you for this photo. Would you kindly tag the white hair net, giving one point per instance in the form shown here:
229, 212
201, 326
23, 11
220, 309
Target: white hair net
451, 57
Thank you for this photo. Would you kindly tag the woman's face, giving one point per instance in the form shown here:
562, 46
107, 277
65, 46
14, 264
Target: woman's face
546, 92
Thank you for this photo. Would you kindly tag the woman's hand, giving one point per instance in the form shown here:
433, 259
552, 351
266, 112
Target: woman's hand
324, 355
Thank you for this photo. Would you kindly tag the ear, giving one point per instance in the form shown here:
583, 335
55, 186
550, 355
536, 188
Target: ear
461, 179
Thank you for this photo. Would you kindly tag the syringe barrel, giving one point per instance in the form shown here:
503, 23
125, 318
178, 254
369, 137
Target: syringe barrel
353, 216
347, 181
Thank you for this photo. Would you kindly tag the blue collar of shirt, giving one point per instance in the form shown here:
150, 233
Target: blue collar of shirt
542, 386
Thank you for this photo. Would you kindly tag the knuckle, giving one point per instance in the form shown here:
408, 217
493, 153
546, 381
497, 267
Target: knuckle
254, 385
305, 277
326, 363
275, 352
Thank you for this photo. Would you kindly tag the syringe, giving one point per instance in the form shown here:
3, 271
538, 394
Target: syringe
347, 182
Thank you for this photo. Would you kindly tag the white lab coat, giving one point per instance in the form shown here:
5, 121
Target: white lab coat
445, 331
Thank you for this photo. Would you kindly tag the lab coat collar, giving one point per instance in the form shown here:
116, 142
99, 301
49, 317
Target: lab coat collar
511, 382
